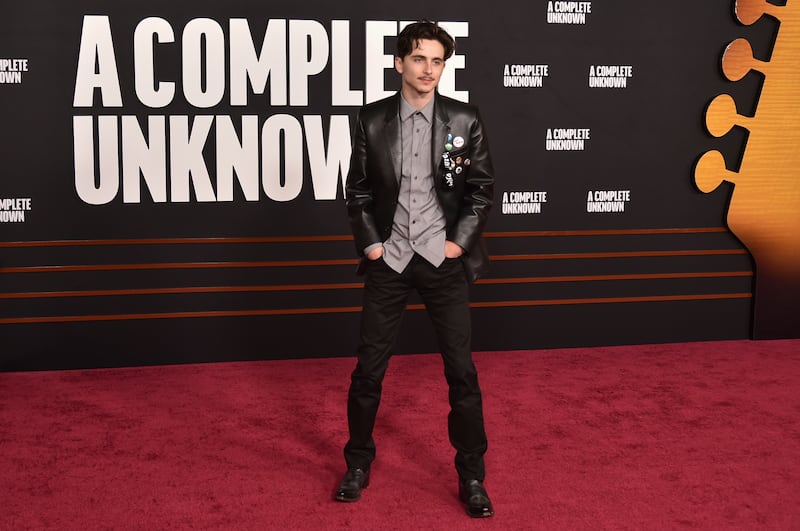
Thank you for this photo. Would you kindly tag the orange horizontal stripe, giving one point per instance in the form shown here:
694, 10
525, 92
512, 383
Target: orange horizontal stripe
176, 241
357, 285
175, 315
346, 237
177, 265
353, 309
174, 291
617, 254
607, 232
611, 300
636, 276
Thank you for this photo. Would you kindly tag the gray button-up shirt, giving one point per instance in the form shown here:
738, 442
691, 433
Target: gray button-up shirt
419, 223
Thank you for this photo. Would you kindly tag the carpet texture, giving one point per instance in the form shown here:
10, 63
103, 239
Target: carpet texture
677, 436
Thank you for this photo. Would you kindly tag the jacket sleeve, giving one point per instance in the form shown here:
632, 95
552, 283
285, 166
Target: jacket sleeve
359, 196
478, 190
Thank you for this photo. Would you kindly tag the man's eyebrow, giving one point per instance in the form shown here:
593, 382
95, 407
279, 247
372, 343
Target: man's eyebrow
415, 55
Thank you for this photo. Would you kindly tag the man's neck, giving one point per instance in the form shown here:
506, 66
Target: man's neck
416, 99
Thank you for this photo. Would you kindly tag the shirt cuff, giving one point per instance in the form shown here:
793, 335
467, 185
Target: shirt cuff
369, 248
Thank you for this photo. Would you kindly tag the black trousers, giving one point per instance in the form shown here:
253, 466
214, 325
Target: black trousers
445, 293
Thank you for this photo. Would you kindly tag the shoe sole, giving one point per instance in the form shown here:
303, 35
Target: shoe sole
482, 515
346, 500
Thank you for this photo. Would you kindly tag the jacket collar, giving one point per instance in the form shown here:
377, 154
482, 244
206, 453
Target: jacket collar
439, 131
392, 134
439, 108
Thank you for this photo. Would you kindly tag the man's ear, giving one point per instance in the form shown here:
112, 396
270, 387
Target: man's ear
398, 64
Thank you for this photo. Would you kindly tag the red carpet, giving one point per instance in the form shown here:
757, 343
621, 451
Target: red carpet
694, 436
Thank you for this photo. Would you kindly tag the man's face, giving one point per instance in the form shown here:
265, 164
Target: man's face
421, 69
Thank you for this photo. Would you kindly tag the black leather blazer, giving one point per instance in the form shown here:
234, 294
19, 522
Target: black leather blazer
464, 191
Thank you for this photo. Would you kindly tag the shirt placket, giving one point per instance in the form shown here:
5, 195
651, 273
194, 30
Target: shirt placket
413, 212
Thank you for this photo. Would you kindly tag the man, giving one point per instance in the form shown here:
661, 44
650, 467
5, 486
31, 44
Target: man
418, 194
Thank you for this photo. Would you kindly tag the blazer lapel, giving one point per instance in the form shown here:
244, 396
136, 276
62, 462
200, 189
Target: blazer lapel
394, 141
439, 132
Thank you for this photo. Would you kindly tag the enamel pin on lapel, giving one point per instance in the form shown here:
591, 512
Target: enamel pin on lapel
450, 164
448, 145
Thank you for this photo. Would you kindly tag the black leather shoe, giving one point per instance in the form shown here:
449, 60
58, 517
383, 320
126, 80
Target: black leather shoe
474, 496
350, 488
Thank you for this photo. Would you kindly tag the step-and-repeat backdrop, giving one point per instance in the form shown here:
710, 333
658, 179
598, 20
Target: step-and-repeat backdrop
172, 174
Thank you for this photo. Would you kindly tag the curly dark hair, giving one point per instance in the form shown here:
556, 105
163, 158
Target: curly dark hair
409, 38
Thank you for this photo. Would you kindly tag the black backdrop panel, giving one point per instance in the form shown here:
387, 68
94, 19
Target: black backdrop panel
184, 207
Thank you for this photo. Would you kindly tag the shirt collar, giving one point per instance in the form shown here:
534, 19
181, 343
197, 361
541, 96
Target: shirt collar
406, 110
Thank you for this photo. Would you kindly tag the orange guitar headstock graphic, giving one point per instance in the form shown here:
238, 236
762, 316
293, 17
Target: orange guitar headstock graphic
764, 211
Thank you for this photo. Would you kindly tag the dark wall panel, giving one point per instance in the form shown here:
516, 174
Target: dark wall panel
170, 217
